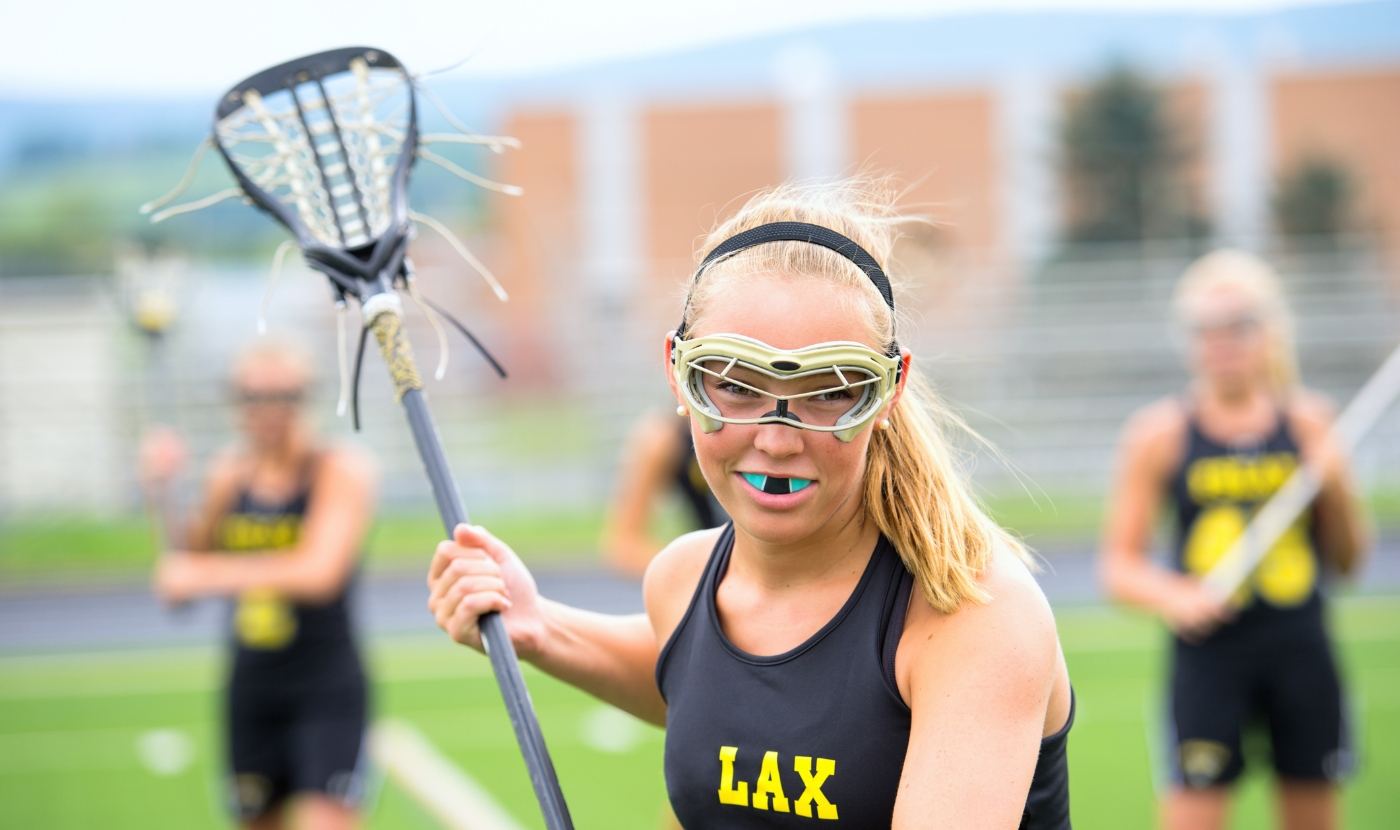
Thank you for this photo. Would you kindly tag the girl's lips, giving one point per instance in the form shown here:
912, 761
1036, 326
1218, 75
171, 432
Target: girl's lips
774, 501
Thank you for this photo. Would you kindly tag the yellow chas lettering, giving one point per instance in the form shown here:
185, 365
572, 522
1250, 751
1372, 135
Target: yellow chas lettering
1236, 479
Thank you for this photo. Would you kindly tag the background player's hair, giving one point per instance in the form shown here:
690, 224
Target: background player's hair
278, 350
915, 490
1253, 278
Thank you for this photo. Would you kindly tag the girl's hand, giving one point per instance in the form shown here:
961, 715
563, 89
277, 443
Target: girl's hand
177, 578
1193, 611
475, 574
161, 457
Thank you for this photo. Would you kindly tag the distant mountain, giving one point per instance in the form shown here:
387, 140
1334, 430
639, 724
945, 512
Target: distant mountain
935, 49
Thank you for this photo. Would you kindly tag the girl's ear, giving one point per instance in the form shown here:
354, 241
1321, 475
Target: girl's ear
669, 365
906, 359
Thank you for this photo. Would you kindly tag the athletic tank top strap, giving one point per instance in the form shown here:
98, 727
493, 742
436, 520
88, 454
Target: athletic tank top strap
1047, 803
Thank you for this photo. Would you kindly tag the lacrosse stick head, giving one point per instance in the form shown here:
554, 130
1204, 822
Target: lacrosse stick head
324, 144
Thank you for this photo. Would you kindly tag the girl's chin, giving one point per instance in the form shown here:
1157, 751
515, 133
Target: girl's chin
785, 528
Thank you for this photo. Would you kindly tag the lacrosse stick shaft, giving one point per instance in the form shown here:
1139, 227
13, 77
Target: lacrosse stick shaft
159, 399
1279, 513
388, 331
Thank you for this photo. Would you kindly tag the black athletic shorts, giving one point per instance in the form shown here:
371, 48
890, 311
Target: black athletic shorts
1285, 692
281, 743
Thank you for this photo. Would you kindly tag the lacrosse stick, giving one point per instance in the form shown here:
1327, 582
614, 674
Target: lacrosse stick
1275, 517
146, 287
324, 144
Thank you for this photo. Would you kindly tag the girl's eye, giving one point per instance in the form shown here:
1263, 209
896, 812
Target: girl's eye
730, 388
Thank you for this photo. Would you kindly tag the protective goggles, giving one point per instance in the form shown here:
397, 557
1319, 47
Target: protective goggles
835, 387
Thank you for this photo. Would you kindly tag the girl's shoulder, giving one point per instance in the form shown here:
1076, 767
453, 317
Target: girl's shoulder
1162, 420
1310, 412
345, 460
673, 576
1154, 436
1011, 633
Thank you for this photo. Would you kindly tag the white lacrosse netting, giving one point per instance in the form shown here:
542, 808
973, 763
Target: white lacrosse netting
327, 148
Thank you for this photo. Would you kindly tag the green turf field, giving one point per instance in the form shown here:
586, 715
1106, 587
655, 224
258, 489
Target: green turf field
70, 725
49, 549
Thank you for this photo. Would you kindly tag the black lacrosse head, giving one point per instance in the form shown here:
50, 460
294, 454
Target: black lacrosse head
325, 144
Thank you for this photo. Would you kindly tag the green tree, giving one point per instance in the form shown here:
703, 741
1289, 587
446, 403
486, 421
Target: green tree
1122, 163
1313, 200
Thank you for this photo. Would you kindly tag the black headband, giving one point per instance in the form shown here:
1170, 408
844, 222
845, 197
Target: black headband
801, 232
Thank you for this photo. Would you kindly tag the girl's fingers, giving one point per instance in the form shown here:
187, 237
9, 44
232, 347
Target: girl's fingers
474, 585
461, 624
470, 563
476, 536
448, 552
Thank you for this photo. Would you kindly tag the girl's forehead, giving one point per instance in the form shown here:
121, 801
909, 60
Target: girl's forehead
1222, 297
787, 312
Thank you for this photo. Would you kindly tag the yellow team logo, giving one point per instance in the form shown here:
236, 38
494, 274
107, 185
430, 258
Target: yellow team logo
250, 792
262, 619
1288, 572
1202, 762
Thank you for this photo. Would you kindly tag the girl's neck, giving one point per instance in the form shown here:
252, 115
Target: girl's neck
1237, 412
1234, 396
285, 456
837, 549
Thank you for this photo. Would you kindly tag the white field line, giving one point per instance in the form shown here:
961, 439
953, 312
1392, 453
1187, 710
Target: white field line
439, 786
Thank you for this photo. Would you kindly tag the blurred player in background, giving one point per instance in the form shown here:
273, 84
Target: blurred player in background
1211, 457
280, 527
659, 456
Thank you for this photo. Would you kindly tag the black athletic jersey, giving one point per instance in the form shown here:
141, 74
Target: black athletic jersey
691, 483
278, 642
814, 735
1217, 488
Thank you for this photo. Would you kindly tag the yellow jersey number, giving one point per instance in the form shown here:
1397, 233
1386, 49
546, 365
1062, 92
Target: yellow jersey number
1284, 578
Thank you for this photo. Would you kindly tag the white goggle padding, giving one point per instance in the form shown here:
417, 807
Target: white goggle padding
828, 387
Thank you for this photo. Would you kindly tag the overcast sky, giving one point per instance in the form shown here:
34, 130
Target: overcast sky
73, 47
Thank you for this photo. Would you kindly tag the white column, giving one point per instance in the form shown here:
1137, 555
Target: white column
610, 184
1027, 113
1240, 149
815, 119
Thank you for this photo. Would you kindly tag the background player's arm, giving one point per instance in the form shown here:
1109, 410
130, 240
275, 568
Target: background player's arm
1343, 532
979, 682
651, 451
315, 568
1149, 448
220, 489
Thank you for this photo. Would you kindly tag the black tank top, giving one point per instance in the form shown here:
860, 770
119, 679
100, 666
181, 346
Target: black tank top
815, 734
278, 642
704, 509
1217, 488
